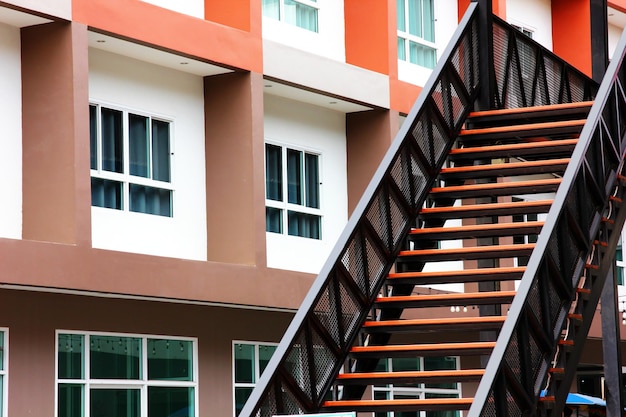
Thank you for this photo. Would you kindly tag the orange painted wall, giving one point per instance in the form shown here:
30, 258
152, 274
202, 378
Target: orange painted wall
240, 14
369, 34
574, 46
618, 4
168, 30
499, 7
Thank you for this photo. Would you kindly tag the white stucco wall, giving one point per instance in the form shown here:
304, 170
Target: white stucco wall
446, 22
136, 85
309, 127
193, 8
11, 139
614, 35
328, 42
535, 15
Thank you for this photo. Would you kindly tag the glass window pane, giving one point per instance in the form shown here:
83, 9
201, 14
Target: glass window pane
71, 401
114, 402
244, 363
312, 176
273, 220
422, 55
1, 395
428, 15
405, 364
618, 253
401, 49
273, 173
112, 146
115, 357
171, 402
106, 193
1, 352
241, 396
400, 15
271, 8
150, 200
294, 176
301, 15
170, 360
71, 354
161, 151
304, 225
438, 364
415, 17
139, 147
265, 354
620, 275
93, 137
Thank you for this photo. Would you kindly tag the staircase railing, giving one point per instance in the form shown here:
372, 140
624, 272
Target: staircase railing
527, 74
316, 343
574, 236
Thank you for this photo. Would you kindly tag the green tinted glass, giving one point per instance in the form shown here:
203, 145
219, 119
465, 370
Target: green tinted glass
170, 401
244, 363
115, 357
170, 360
71, 401
114, 402
71, 348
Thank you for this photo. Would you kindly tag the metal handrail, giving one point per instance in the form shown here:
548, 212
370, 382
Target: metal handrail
316, 343
528, 342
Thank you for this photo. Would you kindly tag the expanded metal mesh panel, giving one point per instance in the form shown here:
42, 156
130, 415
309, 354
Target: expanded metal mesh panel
553, 71
279, 400
323, 362
512, 358
389, 219
534, 302
528, 64
326, 312
539, 361
297, 364
465, 59
364, 262
501, 52
577, 87
512, 406
409, 176
350, 312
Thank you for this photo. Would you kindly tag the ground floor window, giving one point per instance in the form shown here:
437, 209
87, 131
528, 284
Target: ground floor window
249, 361
417, 391
4, 352
105, 374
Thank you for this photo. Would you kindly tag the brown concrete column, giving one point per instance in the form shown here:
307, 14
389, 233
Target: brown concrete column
368, 136
235, 173
56, 183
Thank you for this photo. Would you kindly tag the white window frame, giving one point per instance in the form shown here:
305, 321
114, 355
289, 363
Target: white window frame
309, 3
417, 392
140, 384
284, 205
257, 366
125, 177
4, 372
408, 37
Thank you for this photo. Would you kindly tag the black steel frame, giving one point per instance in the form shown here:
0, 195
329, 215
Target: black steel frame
577, 240
315, 346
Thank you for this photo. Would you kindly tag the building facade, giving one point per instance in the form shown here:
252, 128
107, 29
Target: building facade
177, 172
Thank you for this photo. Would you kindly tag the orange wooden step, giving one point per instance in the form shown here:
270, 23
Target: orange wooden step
428, 349
522, 127
431, 404
436, 324
531, 109
496, 189
408, 376
514, 149
479, 230
505, 169
431, 300
456, 276
489, 209
472, 252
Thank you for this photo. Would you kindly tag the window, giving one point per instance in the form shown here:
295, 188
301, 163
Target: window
417, 391
524, 239
292, 192
4, 353
115, 374
620, 264
130, 161
416, 32
301, 13
249, 361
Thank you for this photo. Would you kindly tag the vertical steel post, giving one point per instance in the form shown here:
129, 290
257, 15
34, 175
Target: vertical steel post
486, 94
599, 39
610, 346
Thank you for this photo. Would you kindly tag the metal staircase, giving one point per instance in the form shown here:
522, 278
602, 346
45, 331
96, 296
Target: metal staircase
533, 191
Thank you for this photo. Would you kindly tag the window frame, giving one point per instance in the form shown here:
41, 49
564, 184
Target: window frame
142, 384
257, 367
4, 373
390, 391
285, 206
125, 177
314, 4
409, 37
